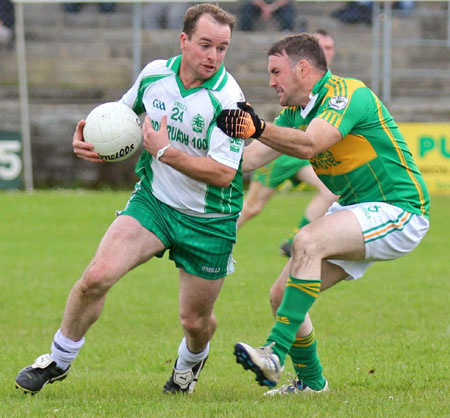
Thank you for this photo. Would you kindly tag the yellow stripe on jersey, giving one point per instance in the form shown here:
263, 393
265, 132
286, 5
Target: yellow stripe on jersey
338, 86
331, 117
347, 155
378, 182
400, 155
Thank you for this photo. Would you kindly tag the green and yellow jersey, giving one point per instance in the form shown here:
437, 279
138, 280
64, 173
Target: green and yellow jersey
372, 162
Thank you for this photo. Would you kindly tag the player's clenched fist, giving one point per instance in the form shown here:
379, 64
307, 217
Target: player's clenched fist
241, 123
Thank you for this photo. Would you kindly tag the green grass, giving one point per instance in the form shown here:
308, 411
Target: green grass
383, 340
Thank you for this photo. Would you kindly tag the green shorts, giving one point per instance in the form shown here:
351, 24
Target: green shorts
279, 170
201, 246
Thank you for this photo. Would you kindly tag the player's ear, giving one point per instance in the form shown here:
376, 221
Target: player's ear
302, 68
183, 41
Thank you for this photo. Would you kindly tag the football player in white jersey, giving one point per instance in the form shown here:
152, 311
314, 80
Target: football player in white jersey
187, 200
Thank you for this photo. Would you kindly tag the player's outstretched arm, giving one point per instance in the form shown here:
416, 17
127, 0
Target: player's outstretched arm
256, 155
81, 148
244, 123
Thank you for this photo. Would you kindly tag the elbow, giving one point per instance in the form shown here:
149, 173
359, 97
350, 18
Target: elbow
303, 153
223, 180
308, 154
223, 183
221, 176
309, 151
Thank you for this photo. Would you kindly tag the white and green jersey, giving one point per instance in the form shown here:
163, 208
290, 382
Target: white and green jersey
191, 118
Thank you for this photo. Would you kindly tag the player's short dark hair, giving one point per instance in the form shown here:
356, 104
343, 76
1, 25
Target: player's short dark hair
322, 32
301, 46
195, 12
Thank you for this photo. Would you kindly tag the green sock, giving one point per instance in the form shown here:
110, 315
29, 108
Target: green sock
304, 221
306, 362
299, 296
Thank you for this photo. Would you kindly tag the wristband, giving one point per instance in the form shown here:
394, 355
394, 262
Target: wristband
161, 152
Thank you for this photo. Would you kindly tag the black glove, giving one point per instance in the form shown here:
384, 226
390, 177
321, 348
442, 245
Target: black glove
241, 123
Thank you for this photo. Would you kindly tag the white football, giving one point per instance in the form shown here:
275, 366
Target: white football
114, 130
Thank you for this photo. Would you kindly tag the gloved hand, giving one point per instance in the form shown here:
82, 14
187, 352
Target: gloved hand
241, 123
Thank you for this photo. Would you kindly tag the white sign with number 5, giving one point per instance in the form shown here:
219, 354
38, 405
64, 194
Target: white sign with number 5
10, 161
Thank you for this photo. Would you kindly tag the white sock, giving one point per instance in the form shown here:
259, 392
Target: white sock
186, 359
64, 350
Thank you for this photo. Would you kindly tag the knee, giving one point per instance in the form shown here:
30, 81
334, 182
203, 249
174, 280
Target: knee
96, 280
304, 244
196, 324
252, 209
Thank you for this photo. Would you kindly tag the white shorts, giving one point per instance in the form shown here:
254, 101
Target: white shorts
389, 233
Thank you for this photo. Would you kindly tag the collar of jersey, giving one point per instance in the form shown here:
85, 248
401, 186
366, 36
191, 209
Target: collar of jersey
216, 82
318, 86
314, 95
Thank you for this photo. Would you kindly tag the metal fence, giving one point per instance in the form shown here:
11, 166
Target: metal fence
58, 59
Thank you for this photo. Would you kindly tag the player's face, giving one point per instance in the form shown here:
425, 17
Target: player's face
286, 82
327, 44
204, 53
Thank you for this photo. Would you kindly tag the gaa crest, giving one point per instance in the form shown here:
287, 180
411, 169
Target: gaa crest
198, 123
338, 102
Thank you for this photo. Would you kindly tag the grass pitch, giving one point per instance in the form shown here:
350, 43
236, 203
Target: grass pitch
383, 340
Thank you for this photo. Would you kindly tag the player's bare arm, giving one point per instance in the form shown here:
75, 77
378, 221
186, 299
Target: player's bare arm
256, 155
244, 123
81, 148
204, 169
318, 137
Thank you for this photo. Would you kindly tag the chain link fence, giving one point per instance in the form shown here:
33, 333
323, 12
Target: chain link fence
78, 55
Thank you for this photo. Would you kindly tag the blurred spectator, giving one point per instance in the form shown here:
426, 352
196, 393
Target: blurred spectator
6, 22
164, 15
361, 11
327, 43
355, 12
102, 7
72, 7
404, 6
107, 7
282, 10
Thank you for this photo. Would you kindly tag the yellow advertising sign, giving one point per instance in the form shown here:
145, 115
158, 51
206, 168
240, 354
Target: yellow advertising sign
430, 147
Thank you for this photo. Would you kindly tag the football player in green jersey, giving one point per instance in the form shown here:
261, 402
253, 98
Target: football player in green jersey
187, 201
357, 150
267, 179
